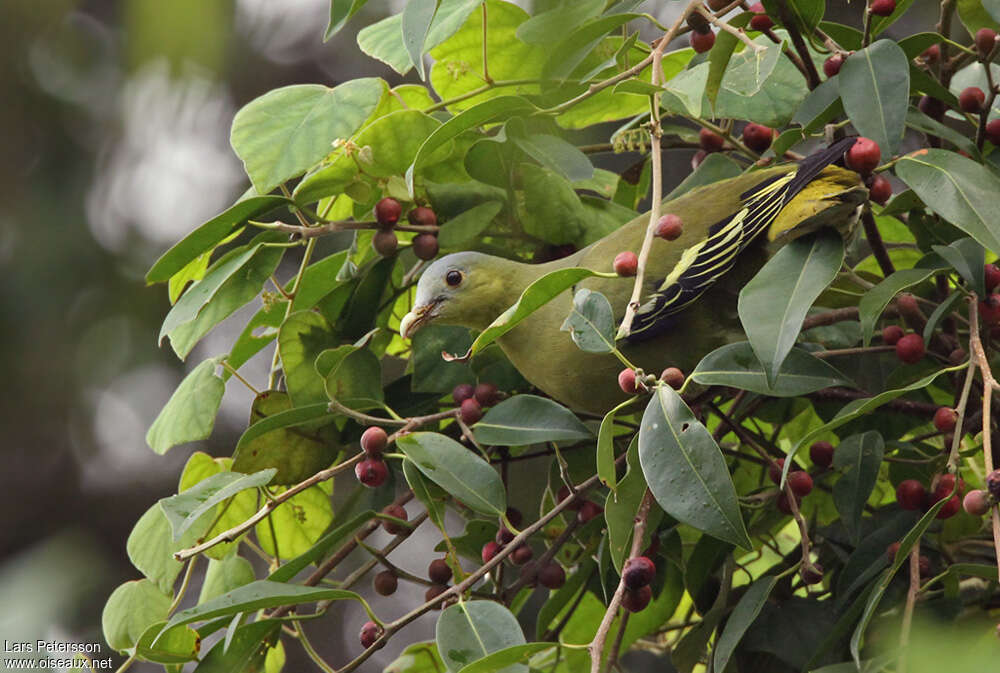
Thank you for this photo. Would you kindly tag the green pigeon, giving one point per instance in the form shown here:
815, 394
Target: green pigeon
691, 284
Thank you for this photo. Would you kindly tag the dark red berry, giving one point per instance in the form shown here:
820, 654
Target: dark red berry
864, 156
924, 566
911, 494
521, 555
564, 493
373, 441
551, 576
422, 216
626, 381
950, 508
831, 66
945, 485
880, 191
989, 310
986, 38
490, 549
945, 419
439, 571
891, 551
760, 20
957, 356
637, 572
626, 263
433, 592
891, 335
385, 583
487, 395
992, 275
757, 136
811, 573
392, 527
588, 511
993, 484
425, 246
821, 454
369, 634
931, 54
710, 141
976, 502
470, 411
385, 242
932, 107
462, 392
670, 227
882, 7
993, 132
801, 483
637, 600
972, 100
371, 472
702, 42
504, 535
673, 377
783, 504
775, 469
910, 348
387, 211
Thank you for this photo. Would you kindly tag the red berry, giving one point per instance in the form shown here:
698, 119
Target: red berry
373, 441
439, 571
710, 141
880, 190
986, 38
801, 483
552, 576
910, 494
462, 392
945, 485
891, 551
626, 263
910, 348
564, 493
637, 572
976, 502
371, 472
950, 508
945, 419
433, 592
487, 395
514, 516
882, 7
702, 42
588, 511
385, 242
387, 211
385, 583
811, 574
425, 246
924, 565
891, 335
521, 555
972, 100
993, 132
989, 309
864, 156
932, 107
670, 227
716, 5
636, 601
831, 66
470, 411
957, 356
931, 54
392, 527
757, 136
673, 377
906, 303
490, 550
760, 20
783, 504
774, 470
992, 275
422, 216
993, 484
504, 535
821, 454
626, 381
369, 634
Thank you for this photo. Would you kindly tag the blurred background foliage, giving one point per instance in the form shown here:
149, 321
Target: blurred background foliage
115, 121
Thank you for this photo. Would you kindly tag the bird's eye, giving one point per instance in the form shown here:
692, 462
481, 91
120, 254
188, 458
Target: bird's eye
453, 277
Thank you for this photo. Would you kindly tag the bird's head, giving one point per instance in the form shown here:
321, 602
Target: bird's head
465, 288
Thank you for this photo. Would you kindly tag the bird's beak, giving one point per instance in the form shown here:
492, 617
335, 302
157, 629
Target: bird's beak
415, 319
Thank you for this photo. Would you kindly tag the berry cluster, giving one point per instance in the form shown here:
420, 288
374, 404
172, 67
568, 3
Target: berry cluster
387, 213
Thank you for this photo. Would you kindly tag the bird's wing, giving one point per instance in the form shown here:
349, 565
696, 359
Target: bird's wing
708, 260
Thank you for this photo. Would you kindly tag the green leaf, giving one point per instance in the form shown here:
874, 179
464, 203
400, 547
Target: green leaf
968, 258
416, 23
558, 155
469, 631
460, 472
774, 303
239, 508
686, 471
921, 122
431, 372
465, 227
321, 548
242, 650
540, 28
258, 595
741, 619
349, 379
173, 646
529, 419
822, 105
958, 189
283, 133
935, 318
880, 23
341, 12
207, 236
719, 56
150, 548
749, 69
606, 448
714, 168
507, 658
975, 15
225, 575
735, 365
260, 331
417, 658
860, 456
298, 523
421, 491
875, 88
131, 609
876, 299
574, 46
591, 322
288, 418
189, 414
303, 336
185, 508
621, 507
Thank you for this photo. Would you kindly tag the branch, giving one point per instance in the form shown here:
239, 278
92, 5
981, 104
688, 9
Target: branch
808, 67
876, 243
338, 226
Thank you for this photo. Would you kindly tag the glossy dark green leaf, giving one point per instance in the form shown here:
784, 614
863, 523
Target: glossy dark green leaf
968, 258
935, 318
621, 507
859, 457
921, 122
875, 88
456, 469
606, 448
416, 23
186, 507
189, 414
422, 492
876, 299
591, 322
470, 631
241, 650
741, 619
735, 365
774, 303
821, 106
686, 471
465, 227
807, 14
718, 57
958, 189
556, 154
529, 419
